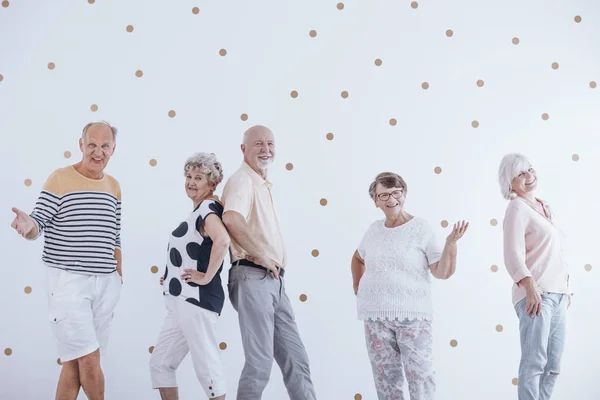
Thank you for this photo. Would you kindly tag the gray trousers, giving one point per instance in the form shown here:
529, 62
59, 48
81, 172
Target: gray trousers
269, 332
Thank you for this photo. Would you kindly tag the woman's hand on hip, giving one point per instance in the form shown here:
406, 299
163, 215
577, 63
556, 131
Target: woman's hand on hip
534, 297
197, 277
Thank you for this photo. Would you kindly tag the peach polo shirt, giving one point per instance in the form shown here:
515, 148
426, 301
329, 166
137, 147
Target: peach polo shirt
248, 194
533, 248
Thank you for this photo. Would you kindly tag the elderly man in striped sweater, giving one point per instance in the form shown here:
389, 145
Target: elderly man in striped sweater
79, 212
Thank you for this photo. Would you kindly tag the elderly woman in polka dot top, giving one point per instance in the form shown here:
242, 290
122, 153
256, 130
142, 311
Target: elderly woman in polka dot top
391, 271
534, 259
194, 295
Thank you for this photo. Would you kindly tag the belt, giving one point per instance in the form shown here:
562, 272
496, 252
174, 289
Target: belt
248, 263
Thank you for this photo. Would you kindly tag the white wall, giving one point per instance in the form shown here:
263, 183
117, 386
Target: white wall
269, 54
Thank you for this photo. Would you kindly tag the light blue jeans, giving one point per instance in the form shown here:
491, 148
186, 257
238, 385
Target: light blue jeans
542, 344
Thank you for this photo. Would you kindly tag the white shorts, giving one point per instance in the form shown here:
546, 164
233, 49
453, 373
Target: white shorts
81, 311
188, 328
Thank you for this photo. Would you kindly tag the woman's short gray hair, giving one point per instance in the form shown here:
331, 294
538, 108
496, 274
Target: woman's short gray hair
388, 180
207, 164
511, 165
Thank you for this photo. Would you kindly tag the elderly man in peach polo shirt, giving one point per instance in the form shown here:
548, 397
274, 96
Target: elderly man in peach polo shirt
257, 276
533, 254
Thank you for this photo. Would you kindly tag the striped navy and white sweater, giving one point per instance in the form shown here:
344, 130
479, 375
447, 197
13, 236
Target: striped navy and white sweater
81, 222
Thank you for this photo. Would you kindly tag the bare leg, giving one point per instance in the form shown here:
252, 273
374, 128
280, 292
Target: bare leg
218, 398
169, 393
68, 382
91, 376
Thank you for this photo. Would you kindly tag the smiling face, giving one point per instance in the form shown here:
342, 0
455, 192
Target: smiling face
389, 200
97, 146
197, 186
259, 148
525, 182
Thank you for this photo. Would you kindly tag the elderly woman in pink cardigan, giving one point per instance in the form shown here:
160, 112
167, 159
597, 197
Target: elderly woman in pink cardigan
534, 259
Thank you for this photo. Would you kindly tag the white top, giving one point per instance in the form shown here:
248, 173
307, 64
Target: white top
533, 247
397, 279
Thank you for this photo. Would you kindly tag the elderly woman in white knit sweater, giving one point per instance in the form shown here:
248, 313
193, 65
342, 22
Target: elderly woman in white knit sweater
391, 271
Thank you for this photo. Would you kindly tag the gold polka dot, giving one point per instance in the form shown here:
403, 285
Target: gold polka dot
150, 349
8, 351
444, 224
554, 65
58, 361
94, 107
172, 113
575, 157
515, 40
437, 170
358, 396
545, 116
345, 94
499, 328
289, 166
91, 1
588, 267
195, 10
425, 85
303, 298
153, 163
244, 117
154, 269
577, 19
27, 182
139, 73
414, 4
223, 345
449, 33
493, 222
1, 78
494, 268
67, 154
453, 343
129, 28
378, 62
294, 94
329, 136
223, 52
393, 122
5, 3
480, 83
340, 6
51, 65
313, 33
475, 124
592, 84
515, 381
27, 289
323, 202
315, 253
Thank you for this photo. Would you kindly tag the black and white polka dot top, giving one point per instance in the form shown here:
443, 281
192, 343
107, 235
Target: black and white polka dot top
188, 249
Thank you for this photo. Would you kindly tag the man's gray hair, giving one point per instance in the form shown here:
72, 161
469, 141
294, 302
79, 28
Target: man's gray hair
511, 166
207, 164
112, 129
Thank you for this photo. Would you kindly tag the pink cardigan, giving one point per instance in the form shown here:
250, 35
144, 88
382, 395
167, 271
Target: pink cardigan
532, 247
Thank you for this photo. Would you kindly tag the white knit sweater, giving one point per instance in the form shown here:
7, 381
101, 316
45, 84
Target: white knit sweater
397, 280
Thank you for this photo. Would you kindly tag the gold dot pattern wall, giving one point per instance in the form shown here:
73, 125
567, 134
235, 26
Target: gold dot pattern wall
435, 91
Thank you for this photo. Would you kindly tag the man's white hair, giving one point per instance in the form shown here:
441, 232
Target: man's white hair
511, 165
112, 129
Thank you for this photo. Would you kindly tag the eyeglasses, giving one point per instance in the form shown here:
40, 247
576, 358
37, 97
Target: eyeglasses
395, 194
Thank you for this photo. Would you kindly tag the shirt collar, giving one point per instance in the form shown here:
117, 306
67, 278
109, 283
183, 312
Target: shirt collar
256, 178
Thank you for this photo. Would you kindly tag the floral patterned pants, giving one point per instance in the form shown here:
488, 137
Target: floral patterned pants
399, 351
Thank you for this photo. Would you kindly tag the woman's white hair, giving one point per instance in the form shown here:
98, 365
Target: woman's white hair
207, 164
511, 165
